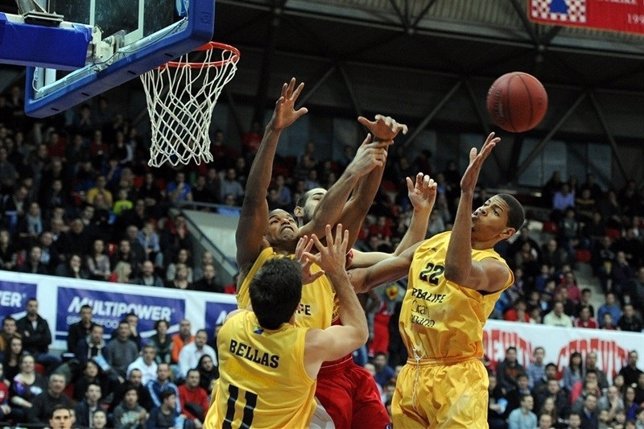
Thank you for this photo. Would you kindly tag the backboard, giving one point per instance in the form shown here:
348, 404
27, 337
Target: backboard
130, 37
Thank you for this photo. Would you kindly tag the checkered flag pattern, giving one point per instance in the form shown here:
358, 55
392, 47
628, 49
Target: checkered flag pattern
543, 10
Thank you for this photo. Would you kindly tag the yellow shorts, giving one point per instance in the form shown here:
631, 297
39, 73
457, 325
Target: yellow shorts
441, 396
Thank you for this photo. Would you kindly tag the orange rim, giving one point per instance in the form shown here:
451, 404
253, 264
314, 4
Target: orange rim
208, 47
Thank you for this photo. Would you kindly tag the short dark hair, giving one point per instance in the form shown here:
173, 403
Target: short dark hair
160, 321
166, 393
276, 291
85, 307
516, 214
59, 407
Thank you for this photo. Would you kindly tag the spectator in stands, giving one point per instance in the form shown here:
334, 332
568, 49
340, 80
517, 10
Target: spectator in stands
497, 404
91, 373
32, 263
179, 190
208, 372
122, 273
137, 249
183, 257
148, 239
589, 415
515, 394
230, 185
209, 281
554, 256
608, 323
508, 370
92, 346
541, 385
634, 289
24, 387
621, 274
181, 338
160, 384
545, 420
553, 390
49, 255
523, 417
585, 301
72, 268
61, 417
145, 363
193, 399
8, 253
550, 187
44, 403
612, 403
629, 320
610, 306
129, 414
5, 408
639, 390
580, 391
631, 372
164, 416
121, 350
536, 369
11, 363
384, 372
572, 373
162, 342
557, 317
591, 365
90, 403
76, 240
190, 353
563, 198
197, 271
8, 331
585, 321
36, 336
125, 254
180, 278
98, 263
148, 276
99, 419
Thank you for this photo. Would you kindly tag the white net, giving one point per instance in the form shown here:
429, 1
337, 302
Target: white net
181, 96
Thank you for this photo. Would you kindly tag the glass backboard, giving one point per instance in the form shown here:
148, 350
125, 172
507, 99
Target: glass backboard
130, 37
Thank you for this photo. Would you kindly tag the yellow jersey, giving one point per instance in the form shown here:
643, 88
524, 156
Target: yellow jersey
317, 307
441, 320
263, 382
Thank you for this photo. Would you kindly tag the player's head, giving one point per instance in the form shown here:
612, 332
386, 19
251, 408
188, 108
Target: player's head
499, 218
275, 292
307, 204
282, 228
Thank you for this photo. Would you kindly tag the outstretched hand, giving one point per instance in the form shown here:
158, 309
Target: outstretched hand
368, 156
471, 175
304, 245
285, 114
422, 192
383, 128
332, 257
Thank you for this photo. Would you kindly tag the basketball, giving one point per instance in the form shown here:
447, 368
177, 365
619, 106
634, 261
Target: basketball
517, 102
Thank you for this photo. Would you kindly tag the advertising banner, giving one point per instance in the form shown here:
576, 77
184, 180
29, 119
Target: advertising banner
14, 296
216, 313
614, 15
109, 308
612, 347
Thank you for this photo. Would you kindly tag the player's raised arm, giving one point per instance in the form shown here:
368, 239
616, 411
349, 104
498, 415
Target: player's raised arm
254, 212
370, 156
387, 270
487, 275
336, 341
422, 194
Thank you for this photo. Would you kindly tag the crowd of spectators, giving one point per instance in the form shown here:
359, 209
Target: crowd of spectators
77, 199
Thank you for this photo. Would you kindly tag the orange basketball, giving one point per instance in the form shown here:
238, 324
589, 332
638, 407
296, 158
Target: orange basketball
517, 102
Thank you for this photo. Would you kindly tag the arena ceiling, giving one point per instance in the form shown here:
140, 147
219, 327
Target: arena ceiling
432, 61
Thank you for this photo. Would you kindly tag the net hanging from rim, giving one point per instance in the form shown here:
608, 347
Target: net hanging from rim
180, 97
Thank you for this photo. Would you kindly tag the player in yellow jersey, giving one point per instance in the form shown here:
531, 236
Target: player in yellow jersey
454, 280
262, 236
267, 365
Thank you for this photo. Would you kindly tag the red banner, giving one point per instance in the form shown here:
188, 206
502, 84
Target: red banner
615, 15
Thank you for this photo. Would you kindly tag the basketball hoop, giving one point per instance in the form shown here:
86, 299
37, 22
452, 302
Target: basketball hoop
181, 96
